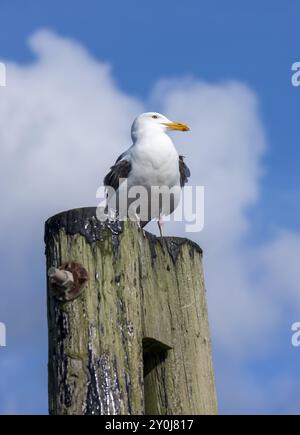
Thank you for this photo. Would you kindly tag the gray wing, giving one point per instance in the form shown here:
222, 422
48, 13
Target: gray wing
184, 171
121, 169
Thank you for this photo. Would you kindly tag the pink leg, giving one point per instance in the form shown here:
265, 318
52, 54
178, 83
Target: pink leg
160, 224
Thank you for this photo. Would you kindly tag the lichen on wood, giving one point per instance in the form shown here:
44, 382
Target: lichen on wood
136, 340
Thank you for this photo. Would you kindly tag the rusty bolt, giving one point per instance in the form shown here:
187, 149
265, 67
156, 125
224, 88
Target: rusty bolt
68, 281
62, 278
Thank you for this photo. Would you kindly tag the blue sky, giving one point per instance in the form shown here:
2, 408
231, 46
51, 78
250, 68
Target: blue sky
255, 42
145, 42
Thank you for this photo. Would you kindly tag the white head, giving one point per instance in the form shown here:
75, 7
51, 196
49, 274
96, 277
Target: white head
151, 122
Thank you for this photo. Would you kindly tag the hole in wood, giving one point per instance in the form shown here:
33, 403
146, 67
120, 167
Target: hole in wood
155, 354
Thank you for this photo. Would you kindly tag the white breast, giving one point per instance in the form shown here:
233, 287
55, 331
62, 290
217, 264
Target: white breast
154, 162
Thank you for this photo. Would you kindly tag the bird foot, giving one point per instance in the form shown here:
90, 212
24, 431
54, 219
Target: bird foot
135, 217
140, 228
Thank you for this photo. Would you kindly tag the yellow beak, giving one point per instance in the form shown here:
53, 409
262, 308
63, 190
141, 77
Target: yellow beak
177, 126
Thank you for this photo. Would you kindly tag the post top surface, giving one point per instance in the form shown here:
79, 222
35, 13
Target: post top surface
85, 222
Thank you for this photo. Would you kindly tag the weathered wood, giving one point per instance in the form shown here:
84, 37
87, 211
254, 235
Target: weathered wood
136, 340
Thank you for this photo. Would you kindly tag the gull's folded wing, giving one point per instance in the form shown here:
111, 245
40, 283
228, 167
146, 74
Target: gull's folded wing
121, 169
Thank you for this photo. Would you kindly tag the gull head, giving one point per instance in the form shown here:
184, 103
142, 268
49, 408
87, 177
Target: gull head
153, 122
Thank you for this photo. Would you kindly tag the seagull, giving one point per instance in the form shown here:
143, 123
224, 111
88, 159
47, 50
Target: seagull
151, 166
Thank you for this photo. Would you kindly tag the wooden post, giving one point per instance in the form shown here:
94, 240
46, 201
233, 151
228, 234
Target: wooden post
130, 335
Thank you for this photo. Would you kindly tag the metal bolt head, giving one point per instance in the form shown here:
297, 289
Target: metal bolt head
68, 281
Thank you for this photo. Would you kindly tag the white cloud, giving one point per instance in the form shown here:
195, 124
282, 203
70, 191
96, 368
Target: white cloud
63, 121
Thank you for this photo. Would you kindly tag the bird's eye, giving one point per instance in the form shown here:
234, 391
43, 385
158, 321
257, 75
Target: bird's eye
154, 116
